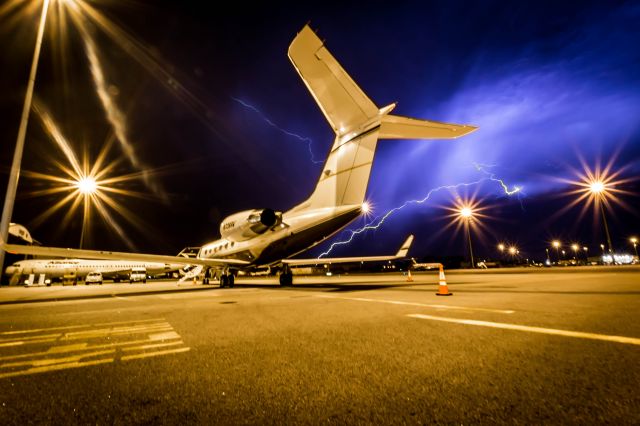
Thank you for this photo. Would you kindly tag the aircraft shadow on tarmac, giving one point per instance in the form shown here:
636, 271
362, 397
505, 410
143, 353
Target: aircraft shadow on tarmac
333, 287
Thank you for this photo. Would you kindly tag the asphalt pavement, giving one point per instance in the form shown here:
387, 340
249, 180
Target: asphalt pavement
545, 346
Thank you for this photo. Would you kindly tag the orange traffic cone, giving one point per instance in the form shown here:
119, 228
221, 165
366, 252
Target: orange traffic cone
443, 290
409, 277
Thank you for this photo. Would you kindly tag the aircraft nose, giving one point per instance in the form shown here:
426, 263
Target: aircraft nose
10, 270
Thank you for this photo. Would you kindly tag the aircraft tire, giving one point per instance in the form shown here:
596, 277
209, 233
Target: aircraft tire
223, 281
231, 280
286, 279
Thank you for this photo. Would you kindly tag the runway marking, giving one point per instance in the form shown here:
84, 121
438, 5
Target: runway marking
79, 345
424, 305
68, 327
150, 354
54, 368
541, 330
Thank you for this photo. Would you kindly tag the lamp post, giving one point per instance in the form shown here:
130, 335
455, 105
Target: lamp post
586, 253
467, 214
575, 247
14, 174
634, 241
556, 245
599, 191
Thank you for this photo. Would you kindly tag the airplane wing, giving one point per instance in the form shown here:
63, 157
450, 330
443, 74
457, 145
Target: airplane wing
114, 255
316, 261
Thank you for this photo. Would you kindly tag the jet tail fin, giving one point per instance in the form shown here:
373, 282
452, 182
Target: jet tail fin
342, 102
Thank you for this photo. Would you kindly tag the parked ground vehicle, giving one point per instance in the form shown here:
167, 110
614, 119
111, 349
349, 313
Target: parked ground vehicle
138, 274
93, 278
70, 277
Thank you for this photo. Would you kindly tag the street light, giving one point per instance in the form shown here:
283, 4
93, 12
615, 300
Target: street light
556, 245
599, 191
466, 213
634, 241
574, 247
14, 174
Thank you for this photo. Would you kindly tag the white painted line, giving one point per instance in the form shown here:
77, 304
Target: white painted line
541, 330
150, 354
424, 305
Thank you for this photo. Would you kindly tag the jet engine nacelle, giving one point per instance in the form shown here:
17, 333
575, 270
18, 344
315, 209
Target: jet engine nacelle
249, 223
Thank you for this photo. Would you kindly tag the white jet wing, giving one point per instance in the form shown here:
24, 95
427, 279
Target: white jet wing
399, 255
114, 255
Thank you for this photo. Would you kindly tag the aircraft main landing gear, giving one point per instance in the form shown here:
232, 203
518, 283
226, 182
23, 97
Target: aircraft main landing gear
227, 279
286, 276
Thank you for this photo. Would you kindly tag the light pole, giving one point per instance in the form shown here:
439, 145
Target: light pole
574, 247
586, 254
556, 245
467, 214
599, 191
634, 241
14, 174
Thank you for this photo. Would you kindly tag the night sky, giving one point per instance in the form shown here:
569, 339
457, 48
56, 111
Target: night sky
550, 84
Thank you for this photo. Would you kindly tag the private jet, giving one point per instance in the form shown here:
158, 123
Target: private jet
267, 237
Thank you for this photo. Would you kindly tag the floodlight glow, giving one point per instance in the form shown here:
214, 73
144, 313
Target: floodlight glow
512, 250
466, 212
366, 208
87, 185
574, 247
556, 243
501, 247
633, 240
597, 187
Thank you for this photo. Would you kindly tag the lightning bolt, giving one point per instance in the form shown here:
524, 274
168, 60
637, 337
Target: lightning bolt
376, 223
492, 177
266, 119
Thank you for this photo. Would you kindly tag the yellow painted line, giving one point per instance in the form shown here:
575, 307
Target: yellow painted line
112, 332
52, 361
38, 330
156, 345
541, 330
424, 305
26, 339
164, 336
67, 348
73, 348
56, 367
150, 354
21, 342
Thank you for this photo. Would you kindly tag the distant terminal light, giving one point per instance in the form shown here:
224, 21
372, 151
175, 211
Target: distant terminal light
618, 259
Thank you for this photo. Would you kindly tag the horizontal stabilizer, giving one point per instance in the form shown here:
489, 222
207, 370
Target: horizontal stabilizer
398, 127
399, 255
114, 255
